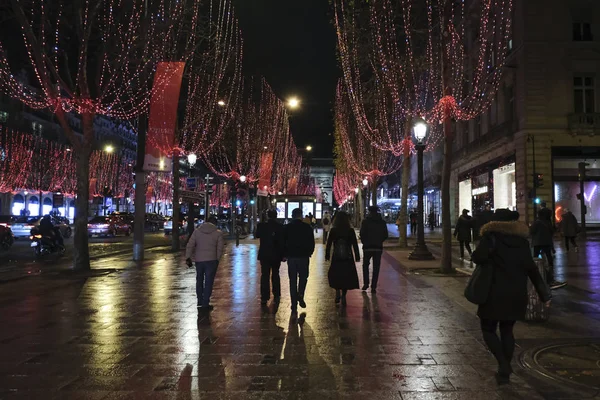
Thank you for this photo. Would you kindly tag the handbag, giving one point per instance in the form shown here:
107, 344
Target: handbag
480, 283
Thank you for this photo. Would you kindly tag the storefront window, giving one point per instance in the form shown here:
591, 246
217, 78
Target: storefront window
308, 208
291, 207
281, 210
565, 197
464, 196
505, 195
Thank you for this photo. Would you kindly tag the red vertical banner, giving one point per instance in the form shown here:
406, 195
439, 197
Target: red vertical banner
163, 116
292, 186
266, 168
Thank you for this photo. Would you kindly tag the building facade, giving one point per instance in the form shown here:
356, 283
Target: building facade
544, 121
42, 123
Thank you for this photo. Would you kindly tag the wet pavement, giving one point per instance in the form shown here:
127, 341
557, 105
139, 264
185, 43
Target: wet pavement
19, 261
136, 334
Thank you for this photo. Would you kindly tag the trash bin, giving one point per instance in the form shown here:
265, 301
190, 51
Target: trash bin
536, 308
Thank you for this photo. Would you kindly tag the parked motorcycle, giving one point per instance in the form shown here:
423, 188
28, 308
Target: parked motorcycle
44, 245
6, 238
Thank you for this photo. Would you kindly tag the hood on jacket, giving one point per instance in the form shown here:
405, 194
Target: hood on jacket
207, 228
511, 233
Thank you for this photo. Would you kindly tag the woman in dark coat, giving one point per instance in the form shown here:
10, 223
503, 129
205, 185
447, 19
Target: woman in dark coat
463, 233
505, 248
342, 271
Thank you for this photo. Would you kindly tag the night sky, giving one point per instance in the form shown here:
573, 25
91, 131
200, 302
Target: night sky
292, 43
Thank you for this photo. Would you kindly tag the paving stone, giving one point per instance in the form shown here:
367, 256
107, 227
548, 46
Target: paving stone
137, 335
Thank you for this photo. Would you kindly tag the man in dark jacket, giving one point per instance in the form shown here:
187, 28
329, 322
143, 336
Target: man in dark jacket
542, 234
373, 232
505, 249
299, 247
462, 232
270, 255
569, 228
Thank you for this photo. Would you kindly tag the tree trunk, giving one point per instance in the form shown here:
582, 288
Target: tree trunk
402, 227
446, 227
81, 253
406, 165
175, 246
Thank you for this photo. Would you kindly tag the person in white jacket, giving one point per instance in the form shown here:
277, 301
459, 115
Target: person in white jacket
205, 248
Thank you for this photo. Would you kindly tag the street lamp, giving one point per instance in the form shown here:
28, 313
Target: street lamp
192, 158
420, 252
243, 178
309, 148
109, 148
221, 103
365, 182
294, 102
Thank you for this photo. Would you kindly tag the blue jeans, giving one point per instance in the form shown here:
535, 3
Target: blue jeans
298, 274
205, 278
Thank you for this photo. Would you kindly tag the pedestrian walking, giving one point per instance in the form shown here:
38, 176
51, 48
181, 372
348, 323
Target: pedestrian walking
299, 247
464, 226
542, 234
431, 220
373, 233
569, 228
504, 248
205, 248
342, 270
326, 221
270, 255
413, 217
313, 221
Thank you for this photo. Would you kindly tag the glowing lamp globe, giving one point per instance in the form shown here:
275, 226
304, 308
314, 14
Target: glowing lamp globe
192, 158
243, 178
365, 182
420, 130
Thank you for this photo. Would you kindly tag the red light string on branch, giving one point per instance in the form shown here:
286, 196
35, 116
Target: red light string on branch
391, 55
354, 150
259, 127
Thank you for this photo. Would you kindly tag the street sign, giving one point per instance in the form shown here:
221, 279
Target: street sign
190, 197
262, 193
191, 183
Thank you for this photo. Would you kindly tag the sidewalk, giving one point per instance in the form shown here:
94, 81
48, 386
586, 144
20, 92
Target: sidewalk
136, 334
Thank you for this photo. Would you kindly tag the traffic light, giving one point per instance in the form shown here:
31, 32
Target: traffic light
538, 180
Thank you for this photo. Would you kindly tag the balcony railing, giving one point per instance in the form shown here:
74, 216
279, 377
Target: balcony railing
585, 124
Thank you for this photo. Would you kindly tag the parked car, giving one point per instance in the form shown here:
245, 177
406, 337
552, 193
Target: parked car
154, 222
7, 220
22, 226
108, 226
6, 237
126, 217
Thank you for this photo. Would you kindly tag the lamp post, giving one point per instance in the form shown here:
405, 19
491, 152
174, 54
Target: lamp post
191, 158
420, 252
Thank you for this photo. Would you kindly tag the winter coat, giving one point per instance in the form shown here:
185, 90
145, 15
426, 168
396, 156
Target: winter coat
272, 242
205, 244
342, 273
299, 240
568, 225
541, 233
463, 229
327, 227
373, 232
505, 248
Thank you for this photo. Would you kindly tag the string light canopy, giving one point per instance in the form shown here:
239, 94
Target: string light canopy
213, 78
353, 150
420, 59
259, 127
